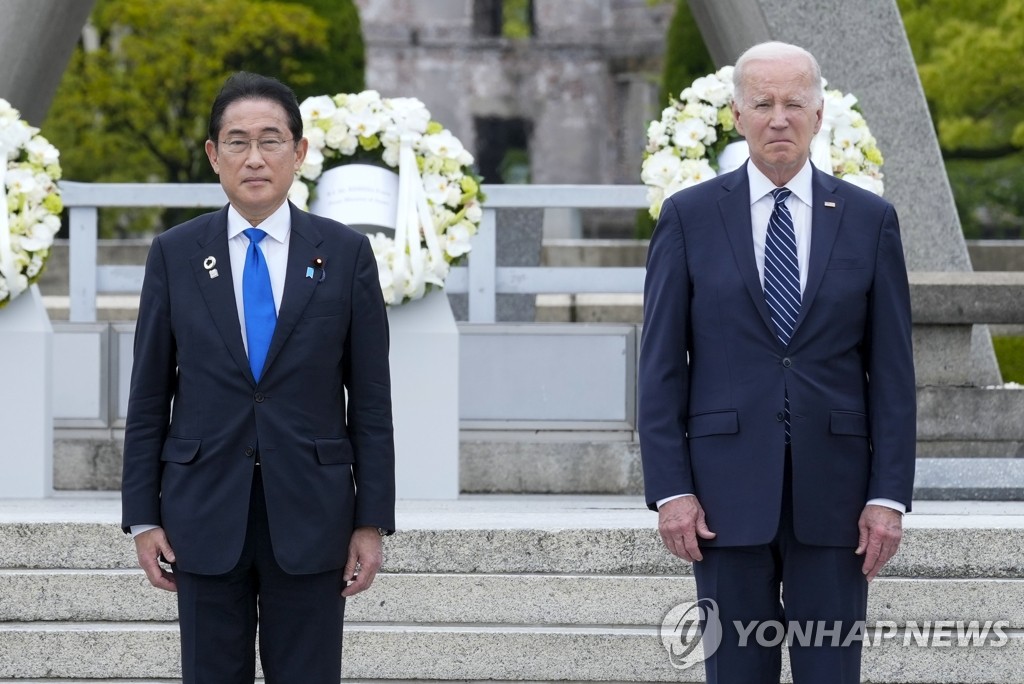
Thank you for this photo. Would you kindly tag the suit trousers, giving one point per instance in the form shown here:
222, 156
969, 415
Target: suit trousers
299, 616
823, 599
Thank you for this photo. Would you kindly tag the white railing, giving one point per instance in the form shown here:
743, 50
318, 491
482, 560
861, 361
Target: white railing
482, 280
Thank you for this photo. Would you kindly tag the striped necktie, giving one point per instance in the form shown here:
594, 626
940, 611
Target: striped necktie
781, 269
782, 276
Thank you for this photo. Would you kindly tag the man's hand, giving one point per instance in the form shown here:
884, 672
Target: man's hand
365, 555
680, 521
149, 546
881, 529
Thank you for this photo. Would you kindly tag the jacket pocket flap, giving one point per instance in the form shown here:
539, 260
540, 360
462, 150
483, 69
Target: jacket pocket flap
178, 450
849, 423
715, 423
331, 451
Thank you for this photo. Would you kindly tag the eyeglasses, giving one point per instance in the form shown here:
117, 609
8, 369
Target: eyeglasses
243, 145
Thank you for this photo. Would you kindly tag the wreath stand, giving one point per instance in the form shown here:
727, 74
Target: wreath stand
26, 400
424, 353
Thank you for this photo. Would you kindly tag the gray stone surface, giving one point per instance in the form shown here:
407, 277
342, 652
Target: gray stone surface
978, 431
473, 653
967, 297
556, 468
87, 463
518, 244
127, 252
996, 255
976, 479
969, 413
31, 75
996, 449
608, 535
581, 84
942, 355
494, 588
434, 598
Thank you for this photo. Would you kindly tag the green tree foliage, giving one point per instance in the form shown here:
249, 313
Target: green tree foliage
968, 56
134, 104
342, 67
136, 107
686, 55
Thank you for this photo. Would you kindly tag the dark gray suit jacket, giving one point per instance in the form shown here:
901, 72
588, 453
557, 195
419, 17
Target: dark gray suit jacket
320, 415
714, 376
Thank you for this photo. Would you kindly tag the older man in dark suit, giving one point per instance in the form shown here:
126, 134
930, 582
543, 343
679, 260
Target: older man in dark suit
259, 456
777, 399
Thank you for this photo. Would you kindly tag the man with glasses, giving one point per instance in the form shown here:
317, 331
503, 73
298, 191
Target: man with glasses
259, 455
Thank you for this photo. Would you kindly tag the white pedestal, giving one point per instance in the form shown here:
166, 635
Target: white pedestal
26, 398
425, 398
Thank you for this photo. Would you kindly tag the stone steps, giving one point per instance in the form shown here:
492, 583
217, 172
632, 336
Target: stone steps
376, 652
493, 588
539, 599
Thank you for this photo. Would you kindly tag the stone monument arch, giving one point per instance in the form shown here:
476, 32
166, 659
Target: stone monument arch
37, 38
863, 49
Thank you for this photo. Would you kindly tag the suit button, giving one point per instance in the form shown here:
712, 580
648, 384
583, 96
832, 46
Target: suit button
787, 363
780, 416
249, 451
258, 397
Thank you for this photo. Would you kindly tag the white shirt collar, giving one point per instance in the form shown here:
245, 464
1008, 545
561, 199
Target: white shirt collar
800, 184
276, 225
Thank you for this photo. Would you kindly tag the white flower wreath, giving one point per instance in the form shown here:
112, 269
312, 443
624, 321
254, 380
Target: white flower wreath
398, 133
30, 203
684, 146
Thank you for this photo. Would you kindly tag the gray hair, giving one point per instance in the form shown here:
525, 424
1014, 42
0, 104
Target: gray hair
777, 51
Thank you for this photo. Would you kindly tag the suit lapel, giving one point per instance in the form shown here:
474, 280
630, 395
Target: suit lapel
825, 221
735, 211
303, 244
219, 292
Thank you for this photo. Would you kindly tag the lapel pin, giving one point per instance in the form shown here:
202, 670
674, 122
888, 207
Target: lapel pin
317, 263
209, 263
213, 273
831, 205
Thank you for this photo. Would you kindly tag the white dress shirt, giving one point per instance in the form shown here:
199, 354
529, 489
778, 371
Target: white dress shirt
799, 204
278, 228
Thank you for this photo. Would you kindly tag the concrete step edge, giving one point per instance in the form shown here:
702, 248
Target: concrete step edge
397, 598
637, 655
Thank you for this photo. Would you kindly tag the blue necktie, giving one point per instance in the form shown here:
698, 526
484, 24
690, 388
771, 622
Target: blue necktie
258, 302
782, 275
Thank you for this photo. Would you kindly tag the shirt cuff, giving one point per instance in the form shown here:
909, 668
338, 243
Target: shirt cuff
136, 530
662, 502
888, 503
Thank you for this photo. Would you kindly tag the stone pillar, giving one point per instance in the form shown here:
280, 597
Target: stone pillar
425, 398
26, 400
36, 41
852, 41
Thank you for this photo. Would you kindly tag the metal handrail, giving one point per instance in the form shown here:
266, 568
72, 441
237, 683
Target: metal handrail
482, 280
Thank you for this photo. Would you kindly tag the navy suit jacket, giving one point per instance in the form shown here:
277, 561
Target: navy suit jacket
320, 415
714, 376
